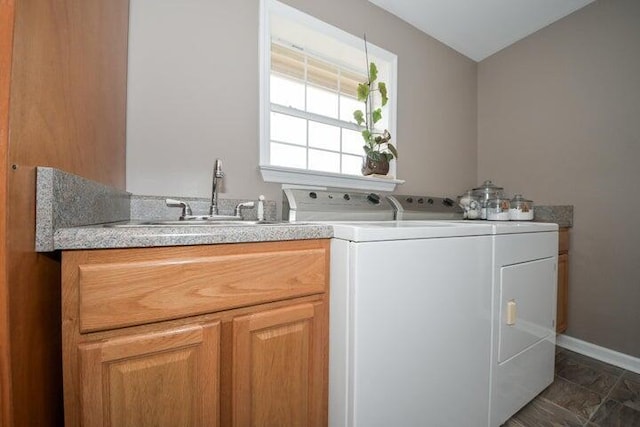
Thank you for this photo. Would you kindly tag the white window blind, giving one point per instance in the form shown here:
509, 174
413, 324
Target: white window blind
292, 63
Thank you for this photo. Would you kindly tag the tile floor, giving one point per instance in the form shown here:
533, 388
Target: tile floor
585, 392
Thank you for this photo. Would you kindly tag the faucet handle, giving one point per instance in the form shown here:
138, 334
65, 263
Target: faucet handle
244, 205
186, 209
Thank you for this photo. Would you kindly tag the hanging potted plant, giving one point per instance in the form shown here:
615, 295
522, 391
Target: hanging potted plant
378, 150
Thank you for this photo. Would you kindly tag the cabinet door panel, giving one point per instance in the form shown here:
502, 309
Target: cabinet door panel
148, 379
279, 363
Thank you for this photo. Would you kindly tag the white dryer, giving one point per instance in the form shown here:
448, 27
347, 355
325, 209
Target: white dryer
525, 262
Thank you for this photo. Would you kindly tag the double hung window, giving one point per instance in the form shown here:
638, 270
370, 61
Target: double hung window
310, 73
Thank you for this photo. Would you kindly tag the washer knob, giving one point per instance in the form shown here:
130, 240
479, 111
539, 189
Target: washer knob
313, 195
447, 202
373, 198
346, 197
410, 199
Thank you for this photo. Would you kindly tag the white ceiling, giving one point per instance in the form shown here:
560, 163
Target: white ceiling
480, 28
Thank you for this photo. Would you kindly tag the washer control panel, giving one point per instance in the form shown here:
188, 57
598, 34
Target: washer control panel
424, 207
335, 205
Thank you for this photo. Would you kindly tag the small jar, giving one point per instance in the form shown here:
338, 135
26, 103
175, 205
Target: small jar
487, 191
470, 204
498, 209
520, 209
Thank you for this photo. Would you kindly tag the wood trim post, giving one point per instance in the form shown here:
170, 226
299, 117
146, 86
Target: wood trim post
7, 13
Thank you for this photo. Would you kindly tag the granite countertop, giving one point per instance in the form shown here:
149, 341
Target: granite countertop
101, 237
74, 213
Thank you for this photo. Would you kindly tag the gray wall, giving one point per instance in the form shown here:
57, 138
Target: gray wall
559, 120
193, 94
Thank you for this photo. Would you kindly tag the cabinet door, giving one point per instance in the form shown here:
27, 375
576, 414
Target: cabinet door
280, 367
165, 378
563, 293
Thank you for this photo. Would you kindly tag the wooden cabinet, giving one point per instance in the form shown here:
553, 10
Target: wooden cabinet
163, 378
278, 367
231, 335
563, 281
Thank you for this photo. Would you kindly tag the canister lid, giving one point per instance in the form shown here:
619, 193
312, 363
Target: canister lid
488, 188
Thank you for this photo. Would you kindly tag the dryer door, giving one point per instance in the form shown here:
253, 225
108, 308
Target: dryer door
527, 306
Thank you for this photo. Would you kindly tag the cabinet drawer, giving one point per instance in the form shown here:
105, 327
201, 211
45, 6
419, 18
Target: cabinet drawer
118, 288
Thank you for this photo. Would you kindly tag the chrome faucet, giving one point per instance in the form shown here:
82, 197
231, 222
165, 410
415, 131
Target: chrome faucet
217, 179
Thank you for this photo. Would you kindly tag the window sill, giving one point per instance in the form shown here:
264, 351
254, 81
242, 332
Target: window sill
327, 179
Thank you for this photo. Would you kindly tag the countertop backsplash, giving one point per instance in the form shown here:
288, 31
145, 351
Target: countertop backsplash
65, 200
561, 215
155, 208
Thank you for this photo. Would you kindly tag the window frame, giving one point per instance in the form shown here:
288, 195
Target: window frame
295, 176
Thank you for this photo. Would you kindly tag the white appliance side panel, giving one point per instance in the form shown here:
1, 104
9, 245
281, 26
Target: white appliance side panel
520, 379
527, 305
421, 332
339, 320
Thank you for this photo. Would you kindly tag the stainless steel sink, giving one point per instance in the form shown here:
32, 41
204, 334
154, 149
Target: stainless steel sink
193, 223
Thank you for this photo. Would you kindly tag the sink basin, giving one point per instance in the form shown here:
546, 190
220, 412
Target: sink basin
193, 223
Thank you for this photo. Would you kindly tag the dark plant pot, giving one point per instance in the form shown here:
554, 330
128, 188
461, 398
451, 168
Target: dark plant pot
378, 167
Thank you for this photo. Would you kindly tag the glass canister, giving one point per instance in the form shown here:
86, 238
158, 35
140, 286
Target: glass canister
498, 209
487, 191
520, 209
470, 204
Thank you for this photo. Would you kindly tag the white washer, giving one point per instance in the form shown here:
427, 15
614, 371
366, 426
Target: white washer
410, 324
417, 333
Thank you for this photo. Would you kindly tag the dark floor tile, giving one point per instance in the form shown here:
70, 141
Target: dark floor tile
594, 363
627, 390
572, 397
542, 413
597, 376
632, 376
512, 422
615, 414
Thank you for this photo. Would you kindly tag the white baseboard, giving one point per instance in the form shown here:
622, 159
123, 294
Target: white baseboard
603, 354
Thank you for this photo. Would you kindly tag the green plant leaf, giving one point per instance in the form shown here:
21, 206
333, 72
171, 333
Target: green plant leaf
367, 149
358, 115
374, 155
376, 115
366, 134
388, 156
392, 149
363, 91
373, 72
382, 87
